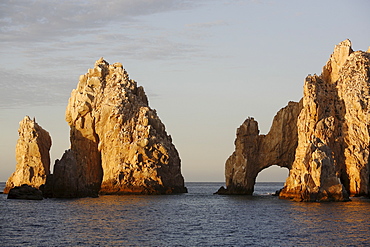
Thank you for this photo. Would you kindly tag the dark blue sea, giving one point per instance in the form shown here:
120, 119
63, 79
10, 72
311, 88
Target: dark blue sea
198, 218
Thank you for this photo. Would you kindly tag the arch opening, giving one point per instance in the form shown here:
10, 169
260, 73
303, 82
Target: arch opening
270, 180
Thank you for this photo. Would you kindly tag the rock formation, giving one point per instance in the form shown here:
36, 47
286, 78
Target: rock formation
331, 159
25, 192
118, 143
254, 152
32, 156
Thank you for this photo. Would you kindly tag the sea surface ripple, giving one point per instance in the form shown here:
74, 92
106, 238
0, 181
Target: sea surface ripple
197, 218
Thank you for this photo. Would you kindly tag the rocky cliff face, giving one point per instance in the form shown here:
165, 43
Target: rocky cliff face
118, 143
353, 87
331, 159
32, 156
313, 174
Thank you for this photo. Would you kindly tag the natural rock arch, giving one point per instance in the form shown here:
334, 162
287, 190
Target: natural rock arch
254, 152
324, 140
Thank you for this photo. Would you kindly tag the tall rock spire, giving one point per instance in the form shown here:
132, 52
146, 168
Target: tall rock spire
333, 145
32, 155
118, 143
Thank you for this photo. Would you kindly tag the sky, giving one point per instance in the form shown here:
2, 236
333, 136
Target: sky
206, 65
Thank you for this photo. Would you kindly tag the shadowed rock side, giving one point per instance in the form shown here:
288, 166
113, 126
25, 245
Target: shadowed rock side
32, 156
118, 143
25, 192
331, 160
64, 182
254, 152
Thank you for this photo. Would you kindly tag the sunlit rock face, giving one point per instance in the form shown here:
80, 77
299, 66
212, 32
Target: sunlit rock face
331, 159
118, 143
313, 176
32, 156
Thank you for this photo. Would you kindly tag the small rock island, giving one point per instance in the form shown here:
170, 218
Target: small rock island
118, 143
32, 156
323, 140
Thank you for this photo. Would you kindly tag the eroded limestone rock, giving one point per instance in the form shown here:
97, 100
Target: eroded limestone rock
32, 156
331, 158
313, 175
118, 143
68, 181
331, 71
254, 152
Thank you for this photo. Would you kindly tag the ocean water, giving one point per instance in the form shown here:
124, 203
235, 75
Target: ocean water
198, 218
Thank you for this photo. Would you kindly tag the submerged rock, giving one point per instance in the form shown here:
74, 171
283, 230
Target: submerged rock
25, 192
326, 147
32, 156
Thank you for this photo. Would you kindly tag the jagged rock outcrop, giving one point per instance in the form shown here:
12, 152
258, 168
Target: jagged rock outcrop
67, 180
313, 175
32, 156
25, 192
254, 152
118, 143
331, 160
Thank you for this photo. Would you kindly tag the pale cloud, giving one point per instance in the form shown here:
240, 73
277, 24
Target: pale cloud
21, 89
202, 30
41, 21
34, 30
45, 45
207, 24
159, 47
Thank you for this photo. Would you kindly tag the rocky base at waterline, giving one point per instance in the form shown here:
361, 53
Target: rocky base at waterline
118, 143
323, 140
25, 192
